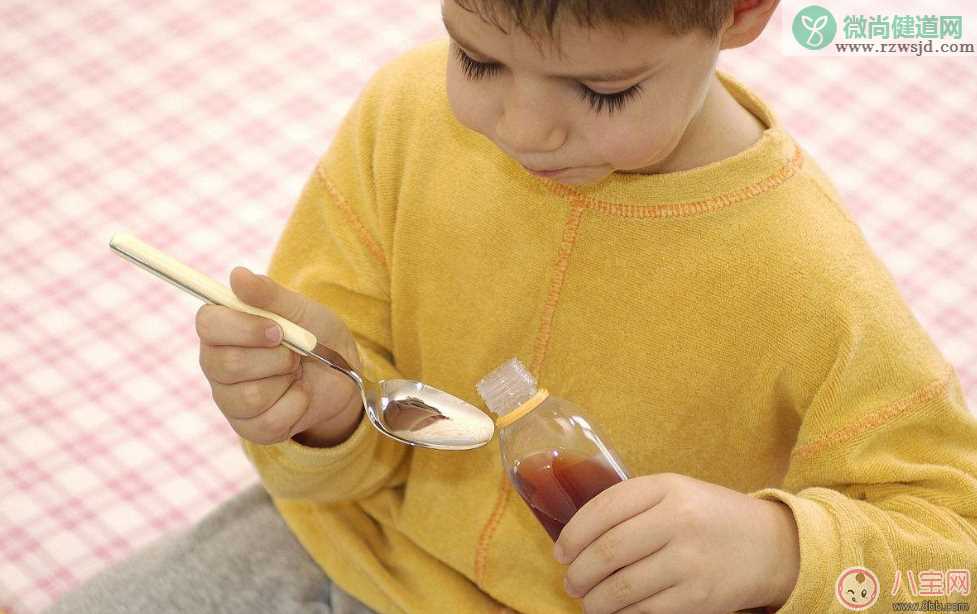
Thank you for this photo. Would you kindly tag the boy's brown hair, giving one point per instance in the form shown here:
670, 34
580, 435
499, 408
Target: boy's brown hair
677, 16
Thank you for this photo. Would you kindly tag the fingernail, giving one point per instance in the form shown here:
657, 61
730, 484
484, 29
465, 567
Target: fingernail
558, 553
566, 587
273, 334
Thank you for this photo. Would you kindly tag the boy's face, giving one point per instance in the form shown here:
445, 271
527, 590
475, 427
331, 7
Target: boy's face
609, 98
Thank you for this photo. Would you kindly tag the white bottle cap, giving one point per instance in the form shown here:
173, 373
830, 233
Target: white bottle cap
507, 387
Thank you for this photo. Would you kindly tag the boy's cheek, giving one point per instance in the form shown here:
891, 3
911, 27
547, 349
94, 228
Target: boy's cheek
625, 152
643, 146
470, 110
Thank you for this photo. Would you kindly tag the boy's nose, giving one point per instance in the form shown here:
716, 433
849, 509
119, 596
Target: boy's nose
529, 126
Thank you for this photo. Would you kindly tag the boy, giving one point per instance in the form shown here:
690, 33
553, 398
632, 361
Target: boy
586, 193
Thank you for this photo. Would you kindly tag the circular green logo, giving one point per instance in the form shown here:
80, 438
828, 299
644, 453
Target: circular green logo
815, 27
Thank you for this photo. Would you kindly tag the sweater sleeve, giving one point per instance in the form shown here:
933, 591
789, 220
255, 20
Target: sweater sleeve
883, 475
334, 249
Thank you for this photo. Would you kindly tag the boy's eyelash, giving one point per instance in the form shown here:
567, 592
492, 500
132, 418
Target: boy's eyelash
613, 102
597, 101
476, 70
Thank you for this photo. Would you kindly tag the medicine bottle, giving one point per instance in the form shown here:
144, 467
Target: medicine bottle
554, 457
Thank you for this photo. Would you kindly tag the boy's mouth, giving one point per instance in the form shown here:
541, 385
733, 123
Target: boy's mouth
546, 172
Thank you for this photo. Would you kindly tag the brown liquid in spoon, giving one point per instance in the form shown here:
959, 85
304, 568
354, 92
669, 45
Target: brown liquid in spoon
410, 414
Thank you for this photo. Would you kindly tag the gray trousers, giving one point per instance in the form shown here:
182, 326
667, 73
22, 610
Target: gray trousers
241, 558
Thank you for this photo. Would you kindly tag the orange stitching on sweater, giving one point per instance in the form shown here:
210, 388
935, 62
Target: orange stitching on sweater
874, 420
481, 551
556, 286
375, 250
542, 345
785, 172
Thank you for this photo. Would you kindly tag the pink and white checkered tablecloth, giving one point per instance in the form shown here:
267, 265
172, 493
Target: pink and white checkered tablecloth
194, 125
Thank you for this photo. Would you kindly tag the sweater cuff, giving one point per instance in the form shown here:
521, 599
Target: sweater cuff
313, 459
364, 462
819, 553
296, 456
363, 438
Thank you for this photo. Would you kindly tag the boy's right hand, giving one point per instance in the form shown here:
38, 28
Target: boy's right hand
267, 392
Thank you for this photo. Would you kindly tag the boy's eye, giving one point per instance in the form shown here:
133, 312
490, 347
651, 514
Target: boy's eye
473, 69
613, 102
598, 102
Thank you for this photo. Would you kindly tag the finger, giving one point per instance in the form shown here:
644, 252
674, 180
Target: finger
219, 325
265, 293
627, 543
248, 400
276, 423
317, 418
673, 599
608, 509
633, 584
231, 365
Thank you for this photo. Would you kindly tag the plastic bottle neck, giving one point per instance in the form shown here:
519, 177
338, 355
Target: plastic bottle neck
527, 406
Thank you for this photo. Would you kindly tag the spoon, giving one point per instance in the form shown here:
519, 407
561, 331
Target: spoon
405, 410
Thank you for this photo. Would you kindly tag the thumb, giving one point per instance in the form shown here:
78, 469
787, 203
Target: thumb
265, 293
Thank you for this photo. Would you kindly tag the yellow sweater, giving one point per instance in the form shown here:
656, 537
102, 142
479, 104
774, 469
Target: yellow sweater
727, 322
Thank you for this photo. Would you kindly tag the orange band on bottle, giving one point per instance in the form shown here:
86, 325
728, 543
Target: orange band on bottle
528, 406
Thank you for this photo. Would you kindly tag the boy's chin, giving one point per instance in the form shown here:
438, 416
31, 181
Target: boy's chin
583, 176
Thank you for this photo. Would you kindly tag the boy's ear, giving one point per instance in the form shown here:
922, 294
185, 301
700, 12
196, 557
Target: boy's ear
749, 19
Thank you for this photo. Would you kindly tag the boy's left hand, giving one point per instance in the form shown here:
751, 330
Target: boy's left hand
671, 543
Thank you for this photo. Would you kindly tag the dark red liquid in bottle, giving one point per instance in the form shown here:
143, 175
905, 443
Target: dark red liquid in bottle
557, 483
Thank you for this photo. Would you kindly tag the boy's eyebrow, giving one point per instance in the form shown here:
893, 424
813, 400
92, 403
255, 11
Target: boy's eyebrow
614, 75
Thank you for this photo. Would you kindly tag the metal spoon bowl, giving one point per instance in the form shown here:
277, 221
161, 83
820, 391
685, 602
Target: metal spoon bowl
408, 411
412, 412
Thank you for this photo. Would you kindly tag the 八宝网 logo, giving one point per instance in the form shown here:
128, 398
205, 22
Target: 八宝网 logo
857, 588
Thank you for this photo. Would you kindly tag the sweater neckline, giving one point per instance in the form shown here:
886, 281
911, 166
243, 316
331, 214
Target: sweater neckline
770, 161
